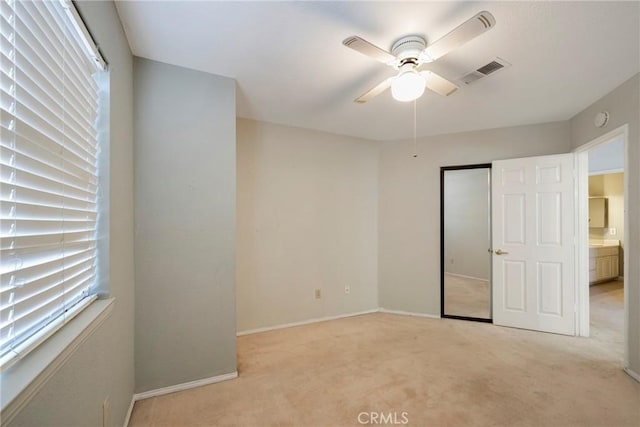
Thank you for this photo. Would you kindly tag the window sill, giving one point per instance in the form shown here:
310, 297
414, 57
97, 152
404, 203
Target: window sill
23, 380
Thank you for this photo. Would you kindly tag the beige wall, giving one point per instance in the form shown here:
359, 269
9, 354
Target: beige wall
596, 186
103, 366
185, 176
409, 203
623, 104
307, 219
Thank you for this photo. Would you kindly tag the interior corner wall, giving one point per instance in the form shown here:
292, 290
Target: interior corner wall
185, 198
103, 365
409, 203
623, 105
307, 219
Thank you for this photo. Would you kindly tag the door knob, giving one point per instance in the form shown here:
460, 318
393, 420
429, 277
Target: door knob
501, 252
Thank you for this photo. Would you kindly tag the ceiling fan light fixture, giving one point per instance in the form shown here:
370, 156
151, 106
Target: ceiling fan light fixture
407, 86
410, 52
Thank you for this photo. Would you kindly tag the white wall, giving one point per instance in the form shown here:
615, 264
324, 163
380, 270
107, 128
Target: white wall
607, 158
466, 222
185, 175
307, 219
409, 203
103, 366
623, 104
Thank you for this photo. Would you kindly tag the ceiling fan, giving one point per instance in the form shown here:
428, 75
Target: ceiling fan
410, 52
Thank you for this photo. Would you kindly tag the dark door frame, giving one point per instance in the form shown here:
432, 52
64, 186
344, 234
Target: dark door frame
442, 171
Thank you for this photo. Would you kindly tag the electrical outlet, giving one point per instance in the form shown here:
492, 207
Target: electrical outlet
106, 412
347, 290
613, 231
318, 294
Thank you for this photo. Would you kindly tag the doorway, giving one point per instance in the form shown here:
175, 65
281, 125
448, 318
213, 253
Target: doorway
601, 258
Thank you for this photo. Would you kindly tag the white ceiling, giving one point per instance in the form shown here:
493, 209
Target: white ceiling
291, 67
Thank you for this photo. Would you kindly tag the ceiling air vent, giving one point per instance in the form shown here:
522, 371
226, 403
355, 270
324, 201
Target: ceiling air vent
349, 41
490, 68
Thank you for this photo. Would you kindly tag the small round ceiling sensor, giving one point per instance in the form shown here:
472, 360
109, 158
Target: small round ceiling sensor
601, 119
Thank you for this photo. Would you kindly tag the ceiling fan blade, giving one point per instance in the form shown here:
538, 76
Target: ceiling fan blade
438, 84
384, 85
371, 50
471, 29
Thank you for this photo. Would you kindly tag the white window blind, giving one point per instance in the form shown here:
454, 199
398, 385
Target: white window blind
49, 174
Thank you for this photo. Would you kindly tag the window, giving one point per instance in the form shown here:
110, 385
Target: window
49, 171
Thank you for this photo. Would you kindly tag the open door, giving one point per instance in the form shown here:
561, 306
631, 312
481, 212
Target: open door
533, 243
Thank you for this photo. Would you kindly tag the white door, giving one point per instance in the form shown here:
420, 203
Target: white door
533, 243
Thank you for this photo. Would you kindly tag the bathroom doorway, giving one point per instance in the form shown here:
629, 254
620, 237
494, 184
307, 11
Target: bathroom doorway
602, 190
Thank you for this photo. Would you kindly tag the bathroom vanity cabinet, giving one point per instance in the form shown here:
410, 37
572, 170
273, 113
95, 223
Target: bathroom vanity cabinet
604, 262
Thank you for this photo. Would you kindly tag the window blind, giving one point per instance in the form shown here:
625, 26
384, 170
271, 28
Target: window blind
49, 174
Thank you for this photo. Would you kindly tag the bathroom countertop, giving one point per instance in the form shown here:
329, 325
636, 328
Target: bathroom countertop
594, 244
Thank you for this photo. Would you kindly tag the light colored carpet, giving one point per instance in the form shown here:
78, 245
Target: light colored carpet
440, 372
465, 296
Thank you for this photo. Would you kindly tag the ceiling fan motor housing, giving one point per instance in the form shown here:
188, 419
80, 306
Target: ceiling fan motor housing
408, 50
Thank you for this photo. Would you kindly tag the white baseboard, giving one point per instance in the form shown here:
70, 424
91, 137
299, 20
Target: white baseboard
632, 374
175, 388
127, 418
304, 322
184, 386
342, 316
408, 313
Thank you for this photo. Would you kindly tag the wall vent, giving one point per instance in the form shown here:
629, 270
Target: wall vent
495, 65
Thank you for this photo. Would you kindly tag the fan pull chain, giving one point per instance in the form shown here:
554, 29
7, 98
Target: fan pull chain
415, 142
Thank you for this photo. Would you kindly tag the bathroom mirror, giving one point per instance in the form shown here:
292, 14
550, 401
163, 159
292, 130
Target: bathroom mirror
465, 251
